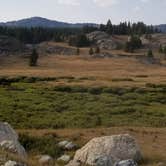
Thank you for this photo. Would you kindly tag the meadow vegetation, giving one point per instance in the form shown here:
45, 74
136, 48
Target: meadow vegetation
30, 103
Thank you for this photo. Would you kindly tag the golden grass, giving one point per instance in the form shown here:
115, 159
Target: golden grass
103, 70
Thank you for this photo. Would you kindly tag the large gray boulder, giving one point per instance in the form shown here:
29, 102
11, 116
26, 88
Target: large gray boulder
114, 148
9, 141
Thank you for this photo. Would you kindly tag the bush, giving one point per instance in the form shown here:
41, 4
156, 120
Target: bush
41, 145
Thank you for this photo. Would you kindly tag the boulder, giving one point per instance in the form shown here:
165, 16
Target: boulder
45, 160
115, 148
9, 141
62, 144
13, 163
126, 163
67, 145
64, 158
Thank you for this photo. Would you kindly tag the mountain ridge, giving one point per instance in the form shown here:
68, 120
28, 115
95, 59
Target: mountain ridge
43, 22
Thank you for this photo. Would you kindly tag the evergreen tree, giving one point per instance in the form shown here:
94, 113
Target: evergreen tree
91, 52
150, 54
78, 51
34, 58
164, 51
109, 27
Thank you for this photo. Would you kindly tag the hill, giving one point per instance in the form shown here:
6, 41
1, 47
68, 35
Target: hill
162, 28
43, 22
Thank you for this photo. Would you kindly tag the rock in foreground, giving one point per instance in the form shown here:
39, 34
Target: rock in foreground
9, 141
117, 148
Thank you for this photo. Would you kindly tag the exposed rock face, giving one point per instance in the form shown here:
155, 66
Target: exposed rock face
115, 148
103, 40
103, 161
126, 163
9, 140
52, 48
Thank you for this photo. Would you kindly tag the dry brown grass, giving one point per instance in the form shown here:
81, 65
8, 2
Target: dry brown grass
103, 70
151, 140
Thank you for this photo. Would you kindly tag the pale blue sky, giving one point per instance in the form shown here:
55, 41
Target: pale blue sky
98, 11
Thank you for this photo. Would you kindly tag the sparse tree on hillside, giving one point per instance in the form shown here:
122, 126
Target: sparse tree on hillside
150, 54
34, 58
97, 50
91, 52
164, 51
109, 27
78, 51
160, 49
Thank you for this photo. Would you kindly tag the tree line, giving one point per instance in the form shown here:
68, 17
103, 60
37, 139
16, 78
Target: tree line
38, 34
124, 28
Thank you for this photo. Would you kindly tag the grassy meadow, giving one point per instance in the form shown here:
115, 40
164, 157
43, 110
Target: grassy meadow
78, 98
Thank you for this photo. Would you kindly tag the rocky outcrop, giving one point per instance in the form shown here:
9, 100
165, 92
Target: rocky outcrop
9, 141
103, 40
52, 48
46, 160
109, 149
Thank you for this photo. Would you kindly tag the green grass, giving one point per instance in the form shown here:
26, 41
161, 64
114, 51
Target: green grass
33, 105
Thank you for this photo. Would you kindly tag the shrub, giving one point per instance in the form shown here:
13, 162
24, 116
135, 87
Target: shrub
150, 53
41, 145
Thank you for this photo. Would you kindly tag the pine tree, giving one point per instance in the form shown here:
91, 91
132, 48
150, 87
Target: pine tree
78, 51
109, 27
150, 54
91, 52
164, 51
33, 58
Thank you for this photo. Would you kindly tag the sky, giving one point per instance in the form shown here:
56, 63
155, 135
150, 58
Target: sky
96, 11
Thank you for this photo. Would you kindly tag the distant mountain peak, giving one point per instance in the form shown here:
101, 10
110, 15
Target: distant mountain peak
43, 22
